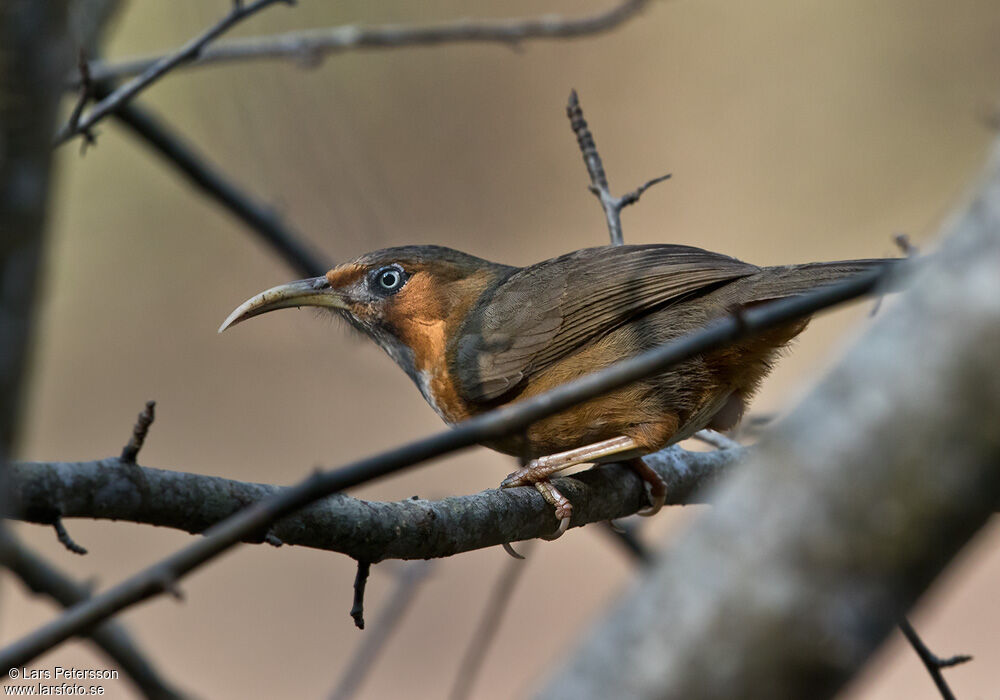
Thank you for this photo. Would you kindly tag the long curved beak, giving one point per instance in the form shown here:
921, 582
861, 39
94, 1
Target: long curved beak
310, 292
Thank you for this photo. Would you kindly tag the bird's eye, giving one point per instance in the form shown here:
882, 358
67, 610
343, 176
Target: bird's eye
390, 278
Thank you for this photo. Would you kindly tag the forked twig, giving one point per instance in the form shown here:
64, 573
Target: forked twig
611, 205
159, 68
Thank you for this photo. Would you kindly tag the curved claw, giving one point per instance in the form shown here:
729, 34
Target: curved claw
656, 503
560, 531
509, 548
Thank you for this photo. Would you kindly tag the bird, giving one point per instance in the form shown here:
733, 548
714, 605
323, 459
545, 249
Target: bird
474, 335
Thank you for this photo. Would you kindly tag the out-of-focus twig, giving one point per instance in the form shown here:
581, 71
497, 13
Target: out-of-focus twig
157, 69
308, 47
410, 577
44, 579
489, 625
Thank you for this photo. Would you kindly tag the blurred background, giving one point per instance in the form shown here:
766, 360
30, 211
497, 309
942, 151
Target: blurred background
795, 130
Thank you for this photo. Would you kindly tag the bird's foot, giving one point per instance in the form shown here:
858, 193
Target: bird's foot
537, 473
657, 487
564, 509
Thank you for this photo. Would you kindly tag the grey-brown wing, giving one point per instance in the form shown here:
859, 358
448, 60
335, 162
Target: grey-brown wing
545, 312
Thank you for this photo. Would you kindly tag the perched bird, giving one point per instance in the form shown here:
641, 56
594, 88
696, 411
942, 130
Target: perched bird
474, 335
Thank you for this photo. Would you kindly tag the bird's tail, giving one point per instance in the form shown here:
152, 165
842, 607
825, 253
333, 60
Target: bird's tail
789, 280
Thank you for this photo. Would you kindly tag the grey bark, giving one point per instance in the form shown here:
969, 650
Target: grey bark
368, 531
843, 515
34, 58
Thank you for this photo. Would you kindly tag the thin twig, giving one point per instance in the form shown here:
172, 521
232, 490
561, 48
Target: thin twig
42, 578
611, 205
412, 575
310, 47
139, 432
64, 538
627, 535
285, 241
160, 67
489, 625
86, 92
931, 661
492, 425
360, 581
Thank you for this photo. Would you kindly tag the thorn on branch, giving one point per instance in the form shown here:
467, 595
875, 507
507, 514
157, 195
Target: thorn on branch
360, 581
168, 582
64, 537
139, 432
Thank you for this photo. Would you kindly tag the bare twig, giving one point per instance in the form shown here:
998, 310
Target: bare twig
492, 425
360, 581
64, 538
42, 578
488, 627
86, 92
285, 241
931, 661
160, 67
139, 432
311, 46
611, 205
409, 580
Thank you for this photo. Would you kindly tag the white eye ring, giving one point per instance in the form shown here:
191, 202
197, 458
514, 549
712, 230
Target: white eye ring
390, 278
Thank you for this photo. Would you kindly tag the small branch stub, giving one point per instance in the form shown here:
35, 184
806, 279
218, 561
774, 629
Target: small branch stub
139, 432
64, 538
360, 581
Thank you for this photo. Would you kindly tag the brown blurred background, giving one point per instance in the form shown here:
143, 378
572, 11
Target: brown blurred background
795, 130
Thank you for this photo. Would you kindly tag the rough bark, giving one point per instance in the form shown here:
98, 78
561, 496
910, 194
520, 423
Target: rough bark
368, 531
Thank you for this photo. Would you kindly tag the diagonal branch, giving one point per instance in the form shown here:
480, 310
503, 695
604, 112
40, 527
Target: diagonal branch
367, 531
157, 69
44, 579
311, 46
257, 518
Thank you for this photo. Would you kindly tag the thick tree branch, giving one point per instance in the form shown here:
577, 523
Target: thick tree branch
368, 531
42, 578
309, 47
843, 516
